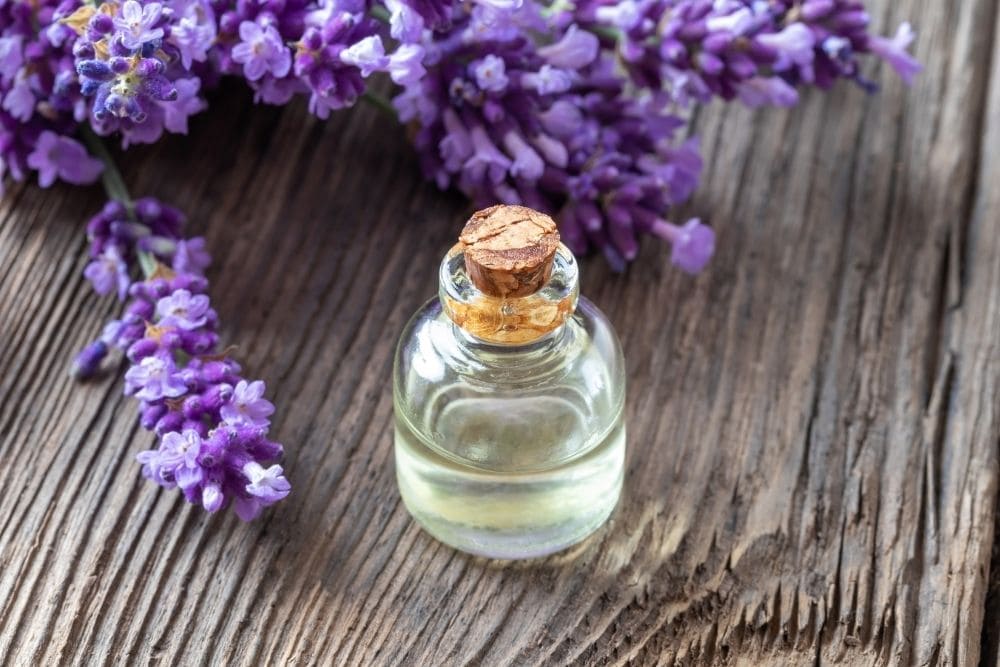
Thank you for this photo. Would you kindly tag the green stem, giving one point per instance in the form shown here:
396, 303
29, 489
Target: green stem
605, 31
115, 188
380, 103
111, 178
379, 13
147, 262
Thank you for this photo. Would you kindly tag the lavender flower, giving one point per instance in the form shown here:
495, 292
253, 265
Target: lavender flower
490, 73
20, 101
367, 55
406, 64
261, 51
893, 51
109, 273
41, 103
577, 48
11, 55
693, 243
247, 406
266, 484
194, 33
125, 87
187, 103
183, 310
153, 378
405, 23
56, 156
138, 24
190, 256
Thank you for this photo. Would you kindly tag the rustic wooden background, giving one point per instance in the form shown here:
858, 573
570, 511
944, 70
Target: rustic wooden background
813, 422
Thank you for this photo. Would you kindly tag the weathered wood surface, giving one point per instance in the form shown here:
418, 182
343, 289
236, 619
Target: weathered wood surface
813, 423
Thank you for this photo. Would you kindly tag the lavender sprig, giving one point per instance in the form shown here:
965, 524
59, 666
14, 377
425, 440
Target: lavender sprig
552, 126
760, 51
211, 422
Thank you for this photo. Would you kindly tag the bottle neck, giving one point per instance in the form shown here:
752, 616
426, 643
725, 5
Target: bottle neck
509, 321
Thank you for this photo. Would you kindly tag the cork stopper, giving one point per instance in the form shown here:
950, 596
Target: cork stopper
509, 250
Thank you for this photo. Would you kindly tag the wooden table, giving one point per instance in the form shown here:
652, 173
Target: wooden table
813, 423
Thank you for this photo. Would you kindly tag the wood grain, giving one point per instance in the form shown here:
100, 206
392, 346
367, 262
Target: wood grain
813, 422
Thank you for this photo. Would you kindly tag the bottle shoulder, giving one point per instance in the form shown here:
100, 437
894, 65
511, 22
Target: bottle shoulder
585, 350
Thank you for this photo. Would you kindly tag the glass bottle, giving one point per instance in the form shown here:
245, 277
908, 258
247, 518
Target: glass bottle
509, 393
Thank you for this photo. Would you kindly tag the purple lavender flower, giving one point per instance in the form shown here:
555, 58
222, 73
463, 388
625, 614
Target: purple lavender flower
175, 462
893, 51
623, 15
693, 243
486, 163
487, 23
194, 33
11, 55
153, 378
191, 256
367, 55
405, 24
212, 497
267, 484
548, 80
186, 104
248, 405
125, 87
490, 73
261, 51
180, 450
20, 101
183, 310
57, 156
109, 273
406, 64
527, 164
767, 91
577, 48
137, 24
794, 47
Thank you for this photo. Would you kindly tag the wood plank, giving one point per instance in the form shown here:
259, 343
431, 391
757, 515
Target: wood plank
813, 431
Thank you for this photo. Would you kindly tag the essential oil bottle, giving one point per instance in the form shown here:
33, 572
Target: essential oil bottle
509, 392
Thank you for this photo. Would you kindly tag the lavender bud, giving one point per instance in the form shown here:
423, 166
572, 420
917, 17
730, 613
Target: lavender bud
88, 360
197, 426
193, 408
150, 415
159, 287
214, 372
142, 309
172, 421
141, 349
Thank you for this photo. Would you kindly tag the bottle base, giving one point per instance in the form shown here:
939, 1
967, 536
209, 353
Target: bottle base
512, 545
512, 514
